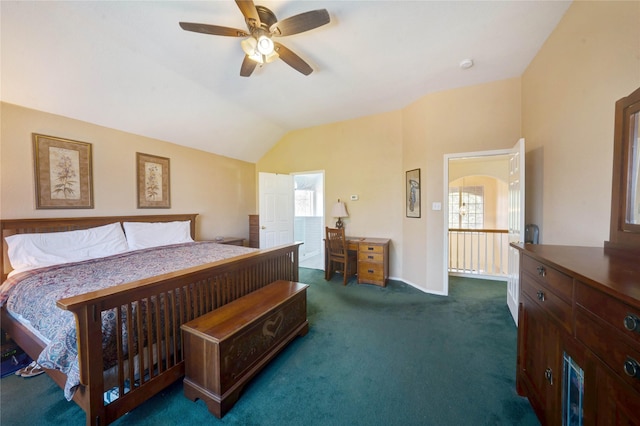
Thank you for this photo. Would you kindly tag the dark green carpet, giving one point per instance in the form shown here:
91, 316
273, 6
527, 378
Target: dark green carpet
373, 356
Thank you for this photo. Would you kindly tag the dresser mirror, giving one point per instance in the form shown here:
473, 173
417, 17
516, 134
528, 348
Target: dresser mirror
633, 187
625, 196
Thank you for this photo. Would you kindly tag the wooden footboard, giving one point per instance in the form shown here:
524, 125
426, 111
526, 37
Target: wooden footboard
169, 301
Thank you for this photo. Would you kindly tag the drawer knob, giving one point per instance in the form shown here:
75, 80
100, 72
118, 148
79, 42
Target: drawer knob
540, 295
541, 271
631, 367
369, 257
632, 323
548, 374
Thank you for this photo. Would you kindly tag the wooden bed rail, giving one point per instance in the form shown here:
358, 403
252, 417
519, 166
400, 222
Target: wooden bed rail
152, 311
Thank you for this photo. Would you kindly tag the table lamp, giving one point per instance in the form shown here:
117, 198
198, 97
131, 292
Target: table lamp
339, 210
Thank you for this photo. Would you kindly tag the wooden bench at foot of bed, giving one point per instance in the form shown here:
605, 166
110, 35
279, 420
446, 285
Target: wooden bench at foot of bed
227, 347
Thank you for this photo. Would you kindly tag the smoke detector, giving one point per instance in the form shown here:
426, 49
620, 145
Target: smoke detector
466, 64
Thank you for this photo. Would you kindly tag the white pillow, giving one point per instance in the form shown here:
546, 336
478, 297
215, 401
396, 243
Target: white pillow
30, 251
141, 235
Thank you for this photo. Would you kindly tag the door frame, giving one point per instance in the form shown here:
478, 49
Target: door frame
445, 204
324, 204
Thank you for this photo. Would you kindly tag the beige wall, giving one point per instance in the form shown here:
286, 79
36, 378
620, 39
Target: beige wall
496, 166
569, 91
369, 157
359, 157
220, 189
479, 118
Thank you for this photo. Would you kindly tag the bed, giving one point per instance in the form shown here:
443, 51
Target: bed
120, 367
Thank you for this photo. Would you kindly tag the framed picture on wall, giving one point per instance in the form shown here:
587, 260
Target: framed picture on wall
63, 173
413, 193
153, 182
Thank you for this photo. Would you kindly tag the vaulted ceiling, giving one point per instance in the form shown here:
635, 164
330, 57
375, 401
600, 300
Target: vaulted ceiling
129, 66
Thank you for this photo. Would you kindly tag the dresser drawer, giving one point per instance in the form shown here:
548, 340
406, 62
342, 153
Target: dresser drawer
370, 257
619, 315
550, 302
560, 283
613, 350
352, 245
370, 272
371, 248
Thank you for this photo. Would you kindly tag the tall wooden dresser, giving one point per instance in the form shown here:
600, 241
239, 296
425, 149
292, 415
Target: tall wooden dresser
254, 231
579, 334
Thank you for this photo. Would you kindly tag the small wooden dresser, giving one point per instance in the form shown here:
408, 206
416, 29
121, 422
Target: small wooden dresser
373, 261
579, 334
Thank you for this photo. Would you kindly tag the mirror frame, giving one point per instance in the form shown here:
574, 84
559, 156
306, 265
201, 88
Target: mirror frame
622, 234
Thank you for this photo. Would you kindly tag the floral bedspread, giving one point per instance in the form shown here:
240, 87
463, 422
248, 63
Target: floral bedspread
33, 294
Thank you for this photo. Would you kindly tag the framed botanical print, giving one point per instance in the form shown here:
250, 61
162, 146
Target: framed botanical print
413, 193
63, 173
153, 182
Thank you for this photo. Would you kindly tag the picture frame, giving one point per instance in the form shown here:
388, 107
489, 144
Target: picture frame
63, 173
154, 182
413, 193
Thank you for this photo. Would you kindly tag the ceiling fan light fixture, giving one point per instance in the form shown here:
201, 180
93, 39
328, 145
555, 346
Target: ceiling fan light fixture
262, 24
261, 50
265, 45
249, 45
271, 57
257, 57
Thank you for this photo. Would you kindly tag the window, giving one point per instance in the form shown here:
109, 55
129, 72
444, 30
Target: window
466, 207
304, 202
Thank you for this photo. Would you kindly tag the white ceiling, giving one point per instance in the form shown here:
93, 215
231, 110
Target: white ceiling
129, 66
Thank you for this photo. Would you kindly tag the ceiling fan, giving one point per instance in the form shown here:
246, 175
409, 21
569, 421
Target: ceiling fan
262, 24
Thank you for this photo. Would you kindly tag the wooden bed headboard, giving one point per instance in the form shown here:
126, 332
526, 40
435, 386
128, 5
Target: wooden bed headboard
29, 226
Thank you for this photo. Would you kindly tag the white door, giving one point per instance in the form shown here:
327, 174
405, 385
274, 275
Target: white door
276, 209
516, 224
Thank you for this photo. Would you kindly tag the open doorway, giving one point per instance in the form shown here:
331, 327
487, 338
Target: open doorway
309, 217
514, 208
478, 217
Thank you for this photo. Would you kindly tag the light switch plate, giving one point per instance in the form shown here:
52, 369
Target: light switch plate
436, 206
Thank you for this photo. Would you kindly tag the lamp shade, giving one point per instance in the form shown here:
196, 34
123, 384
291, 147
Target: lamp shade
339, 210
249, 45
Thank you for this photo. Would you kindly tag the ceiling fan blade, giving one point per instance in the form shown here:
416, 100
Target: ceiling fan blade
248, 9
300, 23
247, 67
293, 60
213, 29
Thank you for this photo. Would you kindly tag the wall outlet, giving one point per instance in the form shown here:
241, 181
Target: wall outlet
354, 198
